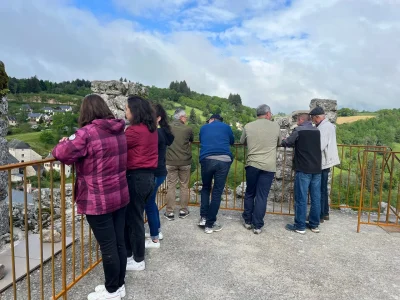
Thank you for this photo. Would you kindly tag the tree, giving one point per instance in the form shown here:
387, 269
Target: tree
397, 136
3, 80
121, 79
373, 167
56, 175
235, 99
125, 80
347, 112
64, 123
193, 117
46, 137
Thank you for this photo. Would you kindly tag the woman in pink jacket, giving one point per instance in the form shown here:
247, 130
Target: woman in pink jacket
99, 151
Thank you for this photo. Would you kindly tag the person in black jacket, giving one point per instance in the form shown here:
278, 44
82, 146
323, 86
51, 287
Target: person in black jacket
307, 163
165, 138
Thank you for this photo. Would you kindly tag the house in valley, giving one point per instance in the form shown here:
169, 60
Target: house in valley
23, 152
57, 166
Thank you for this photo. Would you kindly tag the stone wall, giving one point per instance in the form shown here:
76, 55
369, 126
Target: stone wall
115, 93
4, 224
33, 209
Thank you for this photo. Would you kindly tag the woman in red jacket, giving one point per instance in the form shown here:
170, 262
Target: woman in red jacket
142, 140
99, 152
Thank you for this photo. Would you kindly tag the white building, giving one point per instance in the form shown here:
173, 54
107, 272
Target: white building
66, 108
23, 153
12, 121
35, 117
57, 166
15, 174
48, 110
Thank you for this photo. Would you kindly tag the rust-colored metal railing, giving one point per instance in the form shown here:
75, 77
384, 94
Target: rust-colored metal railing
39, 268
366, 177
379, 203
346, 178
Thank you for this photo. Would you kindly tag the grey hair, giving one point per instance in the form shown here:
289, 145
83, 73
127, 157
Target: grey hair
262, 110
305, 117
179, 113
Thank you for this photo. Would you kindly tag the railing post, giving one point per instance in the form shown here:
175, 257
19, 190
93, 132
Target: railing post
362, 190
63, 234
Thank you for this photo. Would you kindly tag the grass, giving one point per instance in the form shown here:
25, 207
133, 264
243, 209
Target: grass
32, 138
396, 147
342, 120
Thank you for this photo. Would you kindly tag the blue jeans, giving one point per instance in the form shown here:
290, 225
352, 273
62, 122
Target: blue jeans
255, 200
211, 168
302, 184
153, 216
324, 193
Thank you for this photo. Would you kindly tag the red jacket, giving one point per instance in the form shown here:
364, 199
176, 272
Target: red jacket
142, 147
99, 153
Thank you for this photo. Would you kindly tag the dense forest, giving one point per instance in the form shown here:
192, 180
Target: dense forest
383, 130
34, 85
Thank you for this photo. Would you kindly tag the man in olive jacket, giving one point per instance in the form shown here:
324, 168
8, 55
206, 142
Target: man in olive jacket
179, 161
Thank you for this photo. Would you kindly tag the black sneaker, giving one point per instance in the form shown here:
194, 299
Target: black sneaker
169, 216
183, 214
326, 218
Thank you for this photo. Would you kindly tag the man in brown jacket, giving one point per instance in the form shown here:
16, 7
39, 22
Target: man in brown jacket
179, 160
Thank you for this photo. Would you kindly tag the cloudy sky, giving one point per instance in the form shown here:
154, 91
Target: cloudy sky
279, 52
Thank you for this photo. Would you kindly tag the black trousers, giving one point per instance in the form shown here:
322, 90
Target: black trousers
108, 230
141, 185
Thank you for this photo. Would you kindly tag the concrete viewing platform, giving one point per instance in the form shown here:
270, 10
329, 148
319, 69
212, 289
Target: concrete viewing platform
336, 263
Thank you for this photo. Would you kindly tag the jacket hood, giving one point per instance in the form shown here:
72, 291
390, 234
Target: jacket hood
114, 126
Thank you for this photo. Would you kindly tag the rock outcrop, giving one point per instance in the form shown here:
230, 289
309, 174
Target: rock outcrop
329, 106
115, 93
4, 218
33, 210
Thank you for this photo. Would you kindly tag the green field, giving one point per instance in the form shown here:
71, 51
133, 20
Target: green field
32, 138
396, 147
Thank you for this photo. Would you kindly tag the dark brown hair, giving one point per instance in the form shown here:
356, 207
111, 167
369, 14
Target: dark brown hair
160, 112
93, 107
142, 112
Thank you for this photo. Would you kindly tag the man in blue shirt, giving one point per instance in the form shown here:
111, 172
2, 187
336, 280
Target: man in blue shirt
216, 138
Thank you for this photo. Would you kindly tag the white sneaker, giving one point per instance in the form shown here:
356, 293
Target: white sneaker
132, 265
102, 287
104, 295
160, 235
150, 244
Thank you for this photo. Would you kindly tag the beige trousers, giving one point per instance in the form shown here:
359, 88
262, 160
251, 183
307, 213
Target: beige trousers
183, 174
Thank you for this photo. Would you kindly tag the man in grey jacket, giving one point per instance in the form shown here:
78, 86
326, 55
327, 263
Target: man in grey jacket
330, 156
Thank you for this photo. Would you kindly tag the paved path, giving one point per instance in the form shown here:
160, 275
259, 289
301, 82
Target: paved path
335, 264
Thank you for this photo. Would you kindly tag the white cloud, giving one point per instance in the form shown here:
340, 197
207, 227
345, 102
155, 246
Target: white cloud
341, 49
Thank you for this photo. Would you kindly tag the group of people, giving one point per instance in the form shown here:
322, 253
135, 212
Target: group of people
119, 169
